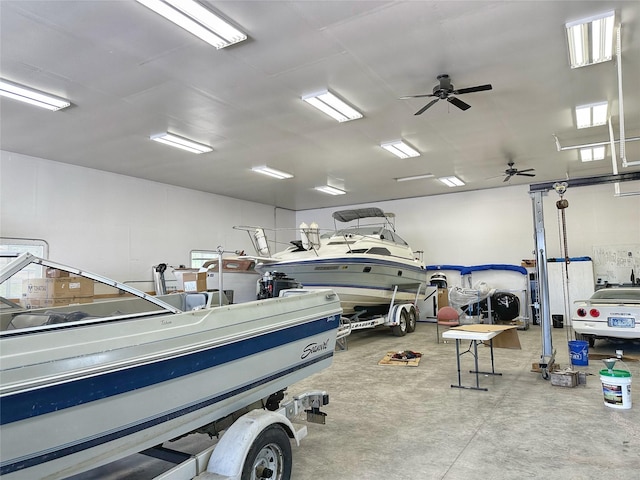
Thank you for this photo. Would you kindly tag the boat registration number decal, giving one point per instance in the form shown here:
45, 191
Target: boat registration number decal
622, 322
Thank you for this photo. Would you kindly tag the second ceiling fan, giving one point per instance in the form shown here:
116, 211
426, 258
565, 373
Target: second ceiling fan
444, 91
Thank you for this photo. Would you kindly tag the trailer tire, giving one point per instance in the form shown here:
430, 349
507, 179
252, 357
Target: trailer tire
412, 318
270, 450
400, 330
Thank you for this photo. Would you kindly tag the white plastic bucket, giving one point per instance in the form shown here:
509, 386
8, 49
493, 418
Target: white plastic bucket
616, 388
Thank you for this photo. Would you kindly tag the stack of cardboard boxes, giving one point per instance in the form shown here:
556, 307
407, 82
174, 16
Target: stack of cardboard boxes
58, 289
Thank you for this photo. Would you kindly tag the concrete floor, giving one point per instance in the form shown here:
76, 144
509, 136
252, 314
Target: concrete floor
405, 423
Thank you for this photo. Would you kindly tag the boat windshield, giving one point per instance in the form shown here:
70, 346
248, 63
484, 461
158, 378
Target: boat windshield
377, 232
33, 294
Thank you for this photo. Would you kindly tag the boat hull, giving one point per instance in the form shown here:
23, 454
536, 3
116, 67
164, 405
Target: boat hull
117, 388
359, 280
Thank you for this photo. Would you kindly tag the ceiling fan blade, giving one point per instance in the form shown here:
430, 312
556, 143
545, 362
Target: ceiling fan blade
421, 111
458, 103
417, 96
526, 174
479, 88
507, 178
526, 170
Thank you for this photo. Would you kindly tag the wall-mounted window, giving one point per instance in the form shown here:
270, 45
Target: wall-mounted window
10, 248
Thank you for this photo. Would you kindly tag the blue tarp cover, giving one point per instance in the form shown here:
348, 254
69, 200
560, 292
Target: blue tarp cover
466, 270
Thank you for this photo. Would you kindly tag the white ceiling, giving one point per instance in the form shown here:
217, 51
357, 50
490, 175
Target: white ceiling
129, 74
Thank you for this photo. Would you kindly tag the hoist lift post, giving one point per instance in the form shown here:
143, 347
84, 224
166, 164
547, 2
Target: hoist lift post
537, 191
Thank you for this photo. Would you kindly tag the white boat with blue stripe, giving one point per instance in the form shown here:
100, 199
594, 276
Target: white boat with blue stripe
87, 379
366, 263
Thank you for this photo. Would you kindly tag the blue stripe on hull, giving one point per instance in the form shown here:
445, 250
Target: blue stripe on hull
152, 422
48, 399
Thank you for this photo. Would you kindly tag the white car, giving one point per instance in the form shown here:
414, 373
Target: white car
609, 313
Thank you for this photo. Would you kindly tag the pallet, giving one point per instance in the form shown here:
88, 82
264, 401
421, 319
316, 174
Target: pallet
389, 360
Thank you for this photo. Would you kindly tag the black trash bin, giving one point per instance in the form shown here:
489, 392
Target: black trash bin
558, 321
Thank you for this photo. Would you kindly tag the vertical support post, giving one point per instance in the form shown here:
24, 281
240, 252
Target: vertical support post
220, 285
543, 279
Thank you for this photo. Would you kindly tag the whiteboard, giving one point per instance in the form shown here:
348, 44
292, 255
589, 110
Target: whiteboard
581, 285
614, 263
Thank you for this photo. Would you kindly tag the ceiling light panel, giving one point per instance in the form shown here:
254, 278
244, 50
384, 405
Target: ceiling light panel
592, 115
400, 149
272, 172
331, 105
591, 40
592, 154
451, 181
414, 177
32, 97
197, 20
329, 190
182, 143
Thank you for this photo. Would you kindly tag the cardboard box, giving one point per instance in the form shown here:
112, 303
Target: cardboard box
443, 297
55, 273
195, 282
63, 287
28, 302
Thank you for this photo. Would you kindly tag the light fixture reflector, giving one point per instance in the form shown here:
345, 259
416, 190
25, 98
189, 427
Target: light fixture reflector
272, 172
197, 20
176, 141
329, 190
33, 97
331, 105
452, 181
591, 40
414, 177
400, 149
591, 115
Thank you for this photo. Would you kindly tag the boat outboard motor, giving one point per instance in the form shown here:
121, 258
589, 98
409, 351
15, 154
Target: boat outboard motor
159, 284
505, 305
271, 283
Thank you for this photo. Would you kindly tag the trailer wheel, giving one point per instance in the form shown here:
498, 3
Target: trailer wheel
412, 318
400, 330
269, 456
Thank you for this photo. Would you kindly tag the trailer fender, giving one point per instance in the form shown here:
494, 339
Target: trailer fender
397, 310
229, 455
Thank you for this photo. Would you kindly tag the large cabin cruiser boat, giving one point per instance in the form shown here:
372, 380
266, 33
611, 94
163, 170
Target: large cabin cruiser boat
92, 370
365, 262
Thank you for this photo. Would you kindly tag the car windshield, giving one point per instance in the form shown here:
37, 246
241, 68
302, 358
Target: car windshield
617, 294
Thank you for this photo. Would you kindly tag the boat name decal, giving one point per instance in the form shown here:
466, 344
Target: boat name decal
314, 348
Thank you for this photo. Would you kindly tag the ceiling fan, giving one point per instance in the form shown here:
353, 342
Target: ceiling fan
444, 90
511, 171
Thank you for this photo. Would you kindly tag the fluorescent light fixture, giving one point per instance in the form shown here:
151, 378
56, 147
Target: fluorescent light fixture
414, 177
181, 142
451, 181
198, 20
592, 153
33, 97
400, 149
328, 103
591, 40
328, 189
591, 115
272, 172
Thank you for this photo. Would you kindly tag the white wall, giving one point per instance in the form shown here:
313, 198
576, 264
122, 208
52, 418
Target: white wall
496, 226
119, 226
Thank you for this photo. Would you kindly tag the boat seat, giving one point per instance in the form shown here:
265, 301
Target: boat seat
446, 317
195, 301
